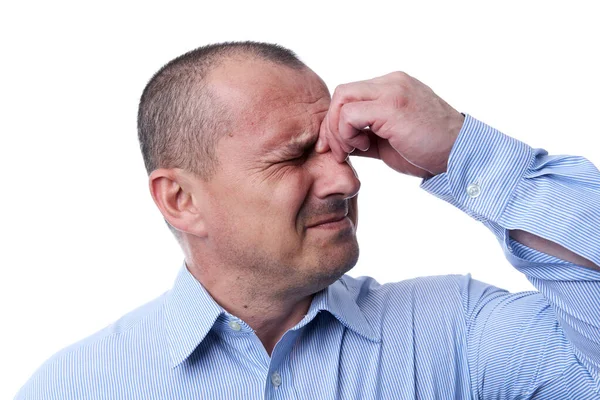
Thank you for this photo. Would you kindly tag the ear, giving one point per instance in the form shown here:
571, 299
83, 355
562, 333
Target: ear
176, 193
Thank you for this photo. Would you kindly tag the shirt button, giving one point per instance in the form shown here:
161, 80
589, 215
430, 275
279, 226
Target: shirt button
276, 379
473, 190
235, 325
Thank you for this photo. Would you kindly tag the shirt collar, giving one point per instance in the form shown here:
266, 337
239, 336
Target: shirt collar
340, 300
191, 312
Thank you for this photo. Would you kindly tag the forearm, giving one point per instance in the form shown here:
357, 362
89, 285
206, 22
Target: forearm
551, 248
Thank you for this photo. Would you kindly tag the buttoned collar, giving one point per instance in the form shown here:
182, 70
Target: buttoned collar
191, 312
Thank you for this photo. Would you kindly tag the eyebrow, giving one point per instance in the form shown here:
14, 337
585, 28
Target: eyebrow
301, 143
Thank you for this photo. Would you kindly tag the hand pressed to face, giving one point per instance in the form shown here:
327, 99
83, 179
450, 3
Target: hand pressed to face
409, 127
275, 207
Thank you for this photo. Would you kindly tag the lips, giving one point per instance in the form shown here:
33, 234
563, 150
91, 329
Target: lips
327, 220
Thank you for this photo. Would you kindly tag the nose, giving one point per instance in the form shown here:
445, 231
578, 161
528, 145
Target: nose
333, 178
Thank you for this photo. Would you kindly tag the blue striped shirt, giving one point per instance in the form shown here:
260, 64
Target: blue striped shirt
445, 337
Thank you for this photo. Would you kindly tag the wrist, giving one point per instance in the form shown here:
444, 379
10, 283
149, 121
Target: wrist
452, 131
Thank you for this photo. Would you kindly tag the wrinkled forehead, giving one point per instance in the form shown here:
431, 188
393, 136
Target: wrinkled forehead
273, 105
294, 124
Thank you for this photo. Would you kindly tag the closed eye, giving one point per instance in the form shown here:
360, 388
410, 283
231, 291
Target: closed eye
297, 153
299, 158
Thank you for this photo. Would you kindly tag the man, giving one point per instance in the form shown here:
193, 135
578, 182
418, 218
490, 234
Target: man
248, 162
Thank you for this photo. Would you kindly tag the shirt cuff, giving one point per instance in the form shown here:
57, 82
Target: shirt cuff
484, 167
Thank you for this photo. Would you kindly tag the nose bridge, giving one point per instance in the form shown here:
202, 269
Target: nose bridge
332, 177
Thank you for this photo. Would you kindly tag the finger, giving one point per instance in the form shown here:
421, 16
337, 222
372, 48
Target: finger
360, 141
349, 125
322, 145
328, 140
373, 150
339, 148
355, 117
338, 152
347, 148
371, 153
350, 92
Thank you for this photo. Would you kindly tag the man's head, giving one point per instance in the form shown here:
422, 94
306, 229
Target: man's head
227, 132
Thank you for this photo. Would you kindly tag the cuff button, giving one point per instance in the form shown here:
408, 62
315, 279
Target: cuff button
473, 190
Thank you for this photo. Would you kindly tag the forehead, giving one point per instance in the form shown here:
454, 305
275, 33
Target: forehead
272, 105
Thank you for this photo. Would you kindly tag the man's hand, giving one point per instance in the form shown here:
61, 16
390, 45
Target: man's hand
394, 118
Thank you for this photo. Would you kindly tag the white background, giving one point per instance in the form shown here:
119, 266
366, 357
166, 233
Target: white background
82, 242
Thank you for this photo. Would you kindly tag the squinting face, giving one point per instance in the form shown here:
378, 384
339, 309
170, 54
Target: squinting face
277, 208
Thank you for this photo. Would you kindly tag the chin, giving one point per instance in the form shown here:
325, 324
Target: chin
333, 264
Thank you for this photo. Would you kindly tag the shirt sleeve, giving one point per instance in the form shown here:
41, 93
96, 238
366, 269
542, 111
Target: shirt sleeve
542, 344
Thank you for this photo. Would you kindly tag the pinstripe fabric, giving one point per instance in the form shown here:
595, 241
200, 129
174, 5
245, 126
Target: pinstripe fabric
446, 337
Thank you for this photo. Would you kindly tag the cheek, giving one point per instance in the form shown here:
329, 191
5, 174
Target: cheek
290, 194
263, 208
278, 207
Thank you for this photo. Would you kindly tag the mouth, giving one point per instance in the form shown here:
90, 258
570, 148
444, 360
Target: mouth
332, 222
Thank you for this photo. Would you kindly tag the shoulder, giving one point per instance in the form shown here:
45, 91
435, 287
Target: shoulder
427, 287
85, 366
420, 298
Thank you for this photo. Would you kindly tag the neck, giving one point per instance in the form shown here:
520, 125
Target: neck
270, 311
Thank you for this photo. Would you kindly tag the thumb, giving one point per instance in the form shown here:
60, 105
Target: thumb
322, 145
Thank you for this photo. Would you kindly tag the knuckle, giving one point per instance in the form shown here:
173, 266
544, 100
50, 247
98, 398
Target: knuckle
345, 112
400, 76
340, 91
399, 101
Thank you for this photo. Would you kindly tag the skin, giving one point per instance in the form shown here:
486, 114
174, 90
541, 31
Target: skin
409, 128
252, 234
